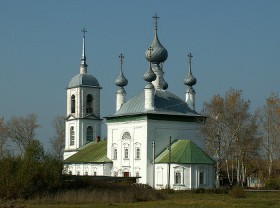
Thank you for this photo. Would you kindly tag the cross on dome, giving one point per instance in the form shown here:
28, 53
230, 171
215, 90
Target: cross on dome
156, 21
121, 59
84, 32
190, 57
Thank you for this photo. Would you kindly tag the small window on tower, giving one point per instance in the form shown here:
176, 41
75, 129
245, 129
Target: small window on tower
89, 134
73, 105
89, 108
72, 136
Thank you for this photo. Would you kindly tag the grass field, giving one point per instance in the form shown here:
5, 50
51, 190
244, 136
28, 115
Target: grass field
173, 200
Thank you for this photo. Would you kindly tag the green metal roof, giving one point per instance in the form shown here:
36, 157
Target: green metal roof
184, 152
90, 153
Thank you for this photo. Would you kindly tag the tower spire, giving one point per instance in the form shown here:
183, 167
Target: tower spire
83, 66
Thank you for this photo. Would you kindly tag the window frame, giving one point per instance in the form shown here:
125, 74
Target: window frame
137, 153
72, 136
201, 176
89, 104
115, 153
89, 134
73, 103
126, 153
178, 178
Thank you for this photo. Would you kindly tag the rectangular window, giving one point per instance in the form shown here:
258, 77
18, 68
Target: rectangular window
137, 152
201, 178
115, 154
126, 153
178, 178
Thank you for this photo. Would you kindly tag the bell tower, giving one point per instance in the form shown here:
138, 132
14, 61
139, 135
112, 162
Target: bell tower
83, 122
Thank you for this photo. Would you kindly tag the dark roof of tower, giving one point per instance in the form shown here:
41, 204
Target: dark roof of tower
83, 80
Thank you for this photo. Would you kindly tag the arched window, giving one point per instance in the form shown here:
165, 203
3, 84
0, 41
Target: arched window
89, 108
89, 134
73, 105
72, 136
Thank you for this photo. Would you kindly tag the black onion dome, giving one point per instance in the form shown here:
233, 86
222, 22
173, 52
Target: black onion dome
159, 53
150, 76
190, 80
121, 81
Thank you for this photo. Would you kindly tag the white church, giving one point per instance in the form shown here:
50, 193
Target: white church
154, 136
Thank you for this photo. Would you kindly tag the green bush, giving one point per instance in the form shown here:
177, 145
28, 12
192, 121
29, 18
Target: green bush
237, 192
273, 183
34, 174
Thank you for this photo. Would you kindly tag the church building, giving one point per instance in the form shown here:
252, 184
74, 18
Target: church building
154, 136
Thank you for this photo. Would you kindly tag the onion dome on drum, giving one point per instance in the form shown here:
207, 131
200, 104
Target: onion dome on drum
159, 53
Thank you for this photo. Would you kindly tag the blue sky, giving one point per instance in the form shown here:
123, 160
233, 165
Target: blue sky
235, 45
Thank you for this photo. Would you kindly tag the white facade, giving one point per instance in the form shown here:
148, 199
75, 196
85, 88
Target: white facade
142, 133
184, 176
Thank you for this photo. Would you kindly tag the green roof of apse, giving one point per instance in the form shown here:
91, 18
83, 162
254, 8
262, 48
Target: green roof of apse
90, 153
184, 152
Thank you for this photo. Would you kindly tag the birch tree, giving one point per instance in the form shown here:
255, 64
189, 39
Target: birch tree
269, 122
226, 131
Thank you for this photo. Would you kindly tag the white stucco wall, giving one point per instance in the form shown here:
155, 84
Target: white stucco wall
189, 176
144, 133
137, 131
88, 169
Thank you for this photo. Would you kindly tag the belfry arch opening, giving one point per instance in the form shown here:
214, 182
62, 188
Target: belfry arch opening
73, 104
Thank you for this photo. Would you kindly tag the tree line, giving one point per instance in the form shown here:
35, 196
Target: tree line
244, 143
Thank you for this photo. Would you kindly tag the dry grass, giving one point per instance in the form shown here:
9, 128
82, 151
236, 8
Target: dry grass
174, 200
